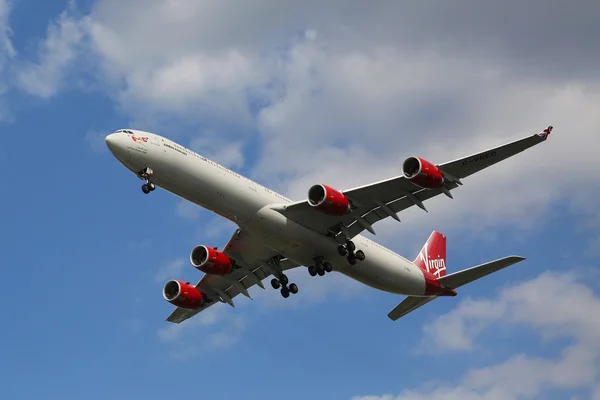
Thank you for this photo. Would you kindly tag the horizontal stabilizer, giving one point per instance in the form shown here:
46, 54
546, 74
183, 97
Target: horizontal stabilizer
453, 281
465, 276
410, 303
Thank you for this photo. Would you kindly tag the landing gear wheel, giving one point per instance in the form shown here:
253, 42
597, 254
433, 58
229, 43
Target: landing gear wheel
351, 259
293, 288
151, 186
284, 280
327, 266
285, 292
320, 269
342, 250
312, 271
350, 246
360, 255
145, 188
275, 283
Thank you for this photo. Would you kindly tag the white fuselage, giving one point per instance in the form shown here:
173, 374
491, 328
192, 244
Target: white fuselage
201, 181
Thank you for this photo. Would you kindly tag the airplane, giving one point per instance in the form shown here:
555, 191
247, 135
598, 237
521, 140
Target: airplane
322, 233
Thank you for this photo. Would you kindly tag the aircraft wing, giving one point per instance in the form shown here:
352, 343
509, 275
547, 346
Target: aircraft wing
252, 258
383, 199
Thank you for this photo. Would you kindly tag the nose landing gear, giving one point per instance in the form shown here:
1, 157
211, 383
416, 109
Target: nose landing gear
145, 174
148, 187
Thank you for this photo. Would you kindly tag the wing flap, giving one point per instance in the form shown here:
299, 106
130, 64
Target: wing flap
377, 214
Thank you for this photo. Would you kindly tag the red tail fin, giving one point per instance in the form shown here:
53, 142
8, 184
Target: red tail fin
432, 257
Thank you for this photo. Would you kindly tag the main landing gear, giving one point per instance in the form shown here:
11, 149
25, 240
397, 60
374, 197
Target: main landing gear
145, 174
349, 249
283, 281
321, 267
285, 288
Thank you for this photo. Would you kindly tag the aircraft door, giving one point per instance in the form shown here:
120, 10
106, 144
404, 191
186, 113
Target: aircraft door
158, 142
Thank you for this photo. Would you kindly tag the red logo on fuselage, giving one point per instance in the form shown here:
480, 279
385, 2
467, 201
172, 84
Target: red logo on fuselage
139, 139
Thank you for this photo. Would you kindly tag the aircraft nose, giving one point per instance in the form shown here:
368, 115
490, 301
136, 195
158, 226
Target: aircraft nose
111, 141
116, 144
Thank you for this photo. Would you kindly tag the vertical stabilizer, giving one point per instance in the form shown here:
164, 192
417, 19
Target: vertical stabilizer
432, 257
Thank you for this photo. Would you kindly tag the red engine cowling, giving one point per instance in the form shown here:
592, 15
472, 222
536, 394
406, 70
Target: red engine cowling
422, 173
328, 200
182, 295
210, 261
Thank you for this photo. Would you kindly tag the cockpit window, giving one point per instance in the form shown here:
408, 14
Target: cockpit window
125, 131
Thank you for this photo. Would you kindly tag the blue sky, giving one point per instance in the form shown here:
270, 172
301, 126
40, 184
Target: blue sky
291, 96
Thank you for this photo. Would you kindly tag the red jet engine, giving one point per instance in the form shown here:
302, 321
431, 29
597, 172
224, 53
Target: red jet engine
328, 200
422, 173
210, 261
182, 295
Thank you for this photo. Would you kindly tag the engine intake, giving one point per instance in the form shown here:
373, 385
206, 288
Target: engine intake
328, 200
210, 261
182, 295
422, 173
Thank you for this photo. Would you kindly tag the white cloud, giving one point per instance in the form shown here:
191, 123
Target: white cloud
6, 47
554, 306
217, 227
532, 303
170, 270
187, 209
56, 55
96, 141
211, 84
228, 336
135, 324
173, 332
7, 53
596, 393
470, 27
220, 328
140, 244
225, 152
